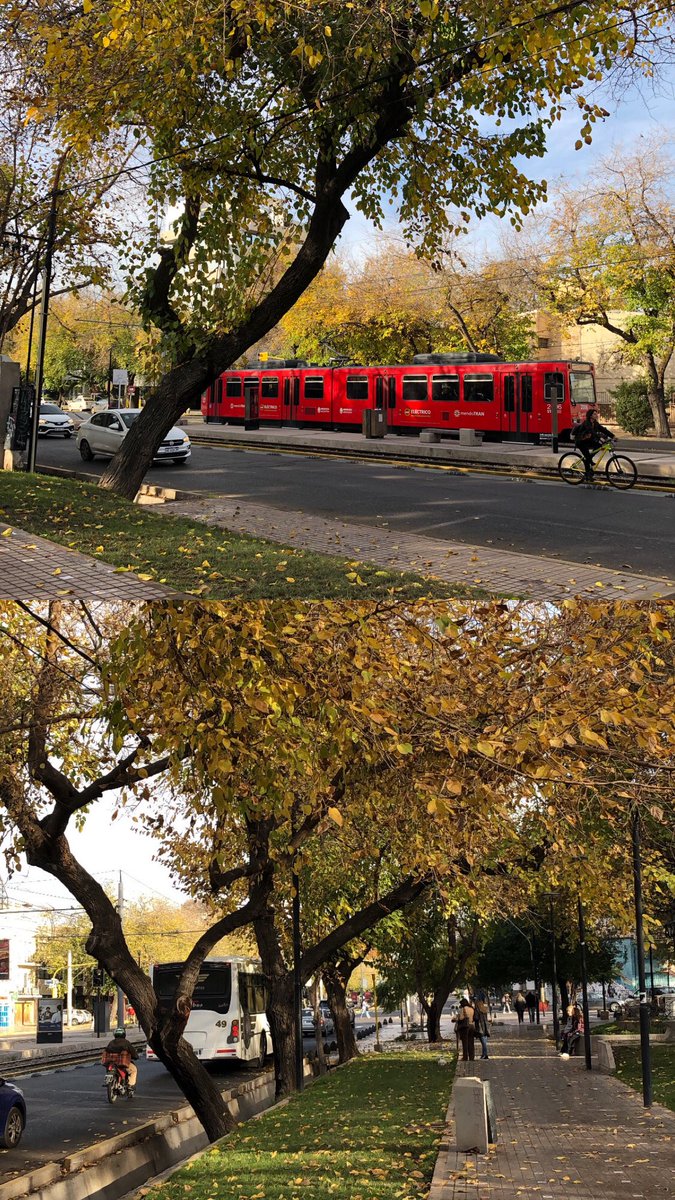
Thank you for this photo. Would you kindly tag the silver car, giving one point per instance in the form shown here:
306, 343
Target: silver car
105, 431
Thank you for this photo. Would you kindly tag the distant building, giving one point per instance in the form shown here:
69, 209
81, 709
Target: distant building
18, 971
590, 343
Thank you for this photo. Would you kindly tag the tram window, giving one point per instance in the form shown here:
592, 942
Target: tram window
479, 389
357, 387
582, 387
314, 387
445, 388
269, 388
554, 387
233, 387
219, 390
414, 387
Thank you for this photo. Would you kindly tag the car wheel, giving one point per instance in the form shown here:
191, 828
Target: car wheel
11, 1134
86, 451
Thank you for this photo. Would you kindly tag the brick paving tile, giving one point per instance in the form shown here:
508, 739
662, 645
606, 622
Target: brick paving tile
564, 1133
32, 568
493, 570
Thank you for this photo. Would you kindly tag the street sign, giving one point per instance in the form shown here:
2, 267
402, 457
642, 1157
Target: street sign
120, 376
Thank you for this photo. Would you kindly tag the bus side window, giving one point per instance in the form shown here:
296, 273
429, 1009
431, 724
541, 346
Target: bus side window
245, 991
554, 387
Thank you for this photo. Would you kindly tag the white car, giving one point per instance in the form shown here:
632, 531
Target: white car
52, 419
81, 1016
104, 432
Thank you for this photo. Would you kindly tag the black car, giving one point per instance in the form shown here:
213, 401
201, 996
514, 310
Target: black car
12, 1114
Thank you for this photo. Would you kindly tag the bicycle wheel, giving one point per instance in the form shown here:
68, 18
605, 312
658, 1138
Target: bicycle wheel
571, 467
621, 471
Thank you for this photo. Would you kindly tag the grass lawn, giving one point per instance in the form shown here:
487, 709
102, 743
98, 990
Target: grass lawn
656, 1025
369, 1131
190, 556
629, 1071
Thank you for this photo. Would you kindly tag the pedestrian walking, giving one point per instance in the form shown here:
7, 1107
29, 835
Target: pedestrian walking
506, 1003
480, 1020
531, 1002
520, 1004
364, 1008
466, 1030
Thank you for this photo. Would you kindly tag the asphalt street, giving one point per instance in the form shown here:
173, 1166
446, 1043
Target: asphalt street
629, 530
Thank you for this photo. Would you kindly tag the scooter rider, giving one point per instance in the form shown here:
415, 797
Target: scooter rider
120, 1045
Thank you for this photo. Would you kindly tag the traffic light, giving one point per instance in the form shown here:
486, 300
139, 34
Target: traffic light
99, 977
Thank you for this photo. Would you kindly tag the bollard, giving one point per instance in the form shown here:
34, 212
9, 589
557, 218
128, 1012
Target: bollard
471, 1120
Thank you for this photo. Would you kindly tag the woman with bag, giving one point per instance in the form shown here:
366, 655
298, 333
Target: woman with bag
466, 1029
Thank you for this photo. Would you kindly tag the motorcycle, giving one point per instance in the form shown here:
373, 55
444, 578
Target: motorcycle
116, 1081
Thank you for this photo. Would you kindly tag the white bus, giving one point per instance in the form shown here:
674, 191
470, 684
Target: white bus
228, 1019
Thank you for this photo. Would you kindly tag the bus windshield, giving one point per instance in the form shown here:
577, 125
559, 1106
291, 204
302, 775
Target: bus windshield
582, 387
213, 989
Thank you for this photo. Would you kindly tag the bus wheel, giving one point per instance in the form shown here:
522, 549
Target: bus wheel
263, 1050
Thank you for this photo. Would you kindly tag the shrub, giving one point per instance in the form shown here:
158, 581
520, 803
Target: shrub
632, 406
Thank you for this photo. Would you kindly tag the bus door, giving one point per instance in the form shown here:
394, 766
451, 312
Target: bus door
517, 419
251, 411
291, 399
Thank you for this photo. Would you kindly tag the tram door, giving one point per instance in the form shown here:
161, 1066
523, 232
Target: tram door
385, 391
517, 418
291, 399
251, 410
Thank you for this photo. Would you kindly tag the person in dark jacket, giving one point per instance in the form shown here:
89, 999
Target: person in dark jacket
531, 1001
520, 1004
466, 1029
588, 435
480, 1020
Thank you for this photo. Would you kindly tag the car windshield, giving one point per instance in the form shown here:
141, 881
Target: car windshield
50, 408
128, 418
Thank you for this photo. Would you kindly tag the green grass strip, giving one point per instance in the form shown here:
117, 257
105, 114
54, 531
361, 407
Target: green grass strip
191, 556
628, 1070
369, 1131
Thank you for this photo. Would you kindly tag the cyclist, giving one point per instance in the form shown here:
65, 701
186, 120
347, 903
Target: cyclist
588, 435
121, 1051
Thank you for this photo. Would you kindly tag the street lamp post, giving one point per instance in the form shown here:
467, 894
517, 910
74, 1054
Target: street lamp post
645, 1053
584, 985
550, 896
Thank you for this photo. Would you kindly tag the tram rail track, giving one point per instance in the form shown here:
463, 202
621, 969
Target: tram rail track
16, 1068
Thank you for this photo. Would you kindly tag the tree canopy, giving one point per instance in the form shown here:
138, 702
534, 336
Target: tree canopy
256, 121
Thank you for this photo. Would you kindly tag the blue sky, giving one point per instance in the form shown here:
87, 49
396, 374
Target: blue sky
643, 111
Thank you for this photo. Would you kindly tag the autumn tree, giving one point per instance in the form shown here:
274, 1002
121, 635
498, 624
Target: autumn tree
395, 305
256, 122
607, 258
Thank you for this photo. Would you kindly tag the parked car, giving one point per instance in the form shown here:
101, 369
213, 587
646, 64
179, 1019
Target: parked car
12, 1115
81, 1016
105, 431
629, 1006
309, 1027
324, 1009
52, 419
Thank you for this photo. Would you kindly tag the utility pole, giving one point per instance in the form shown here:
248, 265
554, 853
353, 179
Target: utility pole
44, 314
69, 990
120, 913
297, 985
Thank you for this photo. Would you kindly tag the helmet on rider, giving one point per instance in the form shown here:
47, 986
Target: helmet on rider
120, 1032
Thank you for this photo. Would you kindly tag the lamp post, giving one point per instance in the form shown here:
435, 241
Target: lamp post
44, 314
645, 1053
584, 985
551, 896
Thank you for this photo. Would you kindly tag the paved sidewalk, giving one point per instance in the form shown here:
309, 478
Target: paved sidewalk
564, 1133
32, 568
497, 571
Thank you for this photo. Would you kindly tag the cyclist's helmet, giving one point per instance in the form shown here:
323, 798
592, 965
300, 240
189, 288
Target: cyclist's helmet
120, 1031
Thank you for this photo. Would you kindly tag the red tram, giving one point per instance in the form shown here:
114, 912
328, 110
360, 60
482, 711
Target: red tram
445, 392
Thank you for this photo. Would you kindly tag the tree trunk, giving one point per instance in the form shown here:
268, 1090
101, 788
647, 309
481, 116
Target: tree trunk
320, 1046
657, 399
434, 1022
194, 1081
281, 1004
337, 998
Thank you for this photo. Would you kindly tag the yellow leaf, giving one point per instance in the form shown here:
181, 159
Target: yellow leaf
335, 815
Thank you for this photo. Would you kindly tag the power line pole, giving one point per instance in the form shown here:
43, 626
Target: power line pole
120, 913
44, 314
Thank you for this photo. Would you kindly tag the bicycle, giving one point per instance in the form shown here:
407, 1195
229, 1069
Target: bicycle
620, 470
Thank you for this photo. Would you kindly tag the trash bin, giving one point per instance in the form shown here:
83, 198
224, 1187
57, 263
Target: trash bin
374, 422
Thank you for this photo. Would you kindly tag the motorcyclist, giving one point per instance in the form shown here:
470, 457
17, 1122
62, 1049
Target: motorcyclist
120, 1050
